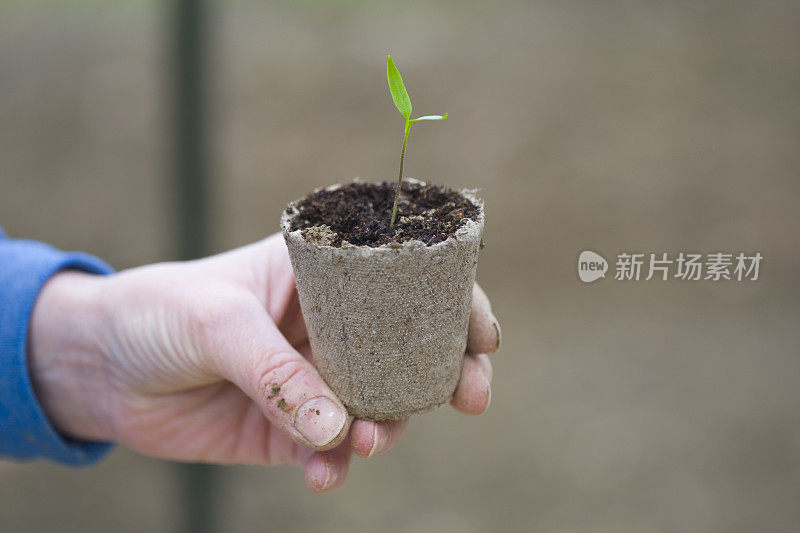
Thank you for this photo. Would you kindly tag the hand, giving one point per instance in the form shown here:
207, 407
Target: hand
209, 361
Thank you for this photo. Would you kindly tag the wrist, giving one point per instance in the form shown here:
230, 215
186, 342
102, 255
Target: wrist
68, 371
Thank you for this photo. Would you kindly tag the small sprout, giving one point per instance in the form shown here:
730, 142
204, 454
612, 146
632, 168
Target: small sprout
403, 103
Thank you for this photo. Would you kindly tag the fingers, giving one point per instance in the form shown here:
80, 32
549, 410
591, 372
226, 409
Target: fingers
474, 392
484, 330
326, 471
369, 438
249, 351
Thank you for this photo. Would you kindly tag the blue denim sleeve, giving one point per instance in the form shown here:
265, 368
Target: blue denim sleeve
25, 432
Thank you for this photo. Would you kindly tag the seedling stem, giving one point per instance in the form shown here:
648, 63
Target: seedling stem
403, 103
400, 177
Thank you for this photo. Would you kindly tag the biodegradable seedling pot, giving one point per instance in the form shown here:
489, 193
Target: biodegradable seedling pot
387, 324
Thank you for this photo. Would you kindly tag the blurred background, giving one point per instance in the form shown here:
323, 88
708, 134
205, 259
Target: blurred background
145, 131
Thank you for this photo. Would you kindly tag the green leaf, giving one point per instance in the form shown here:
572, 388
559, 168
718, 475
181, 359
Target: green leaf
430, 117
398, 90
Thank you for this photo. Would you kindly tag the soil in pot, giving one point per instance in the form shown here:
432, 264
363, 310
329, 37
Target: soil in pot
359, 213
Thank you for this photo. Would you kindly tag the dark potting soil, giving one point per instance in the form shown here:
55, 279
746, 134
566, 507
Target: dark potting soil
359, 213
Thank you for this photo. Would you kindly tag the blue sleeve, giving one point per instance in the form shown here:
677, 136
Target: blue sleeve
25, 432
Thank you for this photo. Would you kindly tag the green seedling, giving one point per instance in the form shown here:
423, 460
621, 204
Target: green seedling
403, 103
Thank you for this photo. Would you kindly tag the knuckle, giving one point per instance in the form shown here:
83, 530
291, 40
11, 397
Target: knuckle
277, 372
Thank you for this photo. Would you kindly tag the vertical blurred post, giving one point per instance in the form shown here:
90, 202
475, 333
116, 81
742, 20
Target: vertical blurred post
188, 99
190, 105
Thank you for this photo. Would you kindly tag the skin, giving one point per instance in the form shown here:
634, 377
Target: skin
178, 360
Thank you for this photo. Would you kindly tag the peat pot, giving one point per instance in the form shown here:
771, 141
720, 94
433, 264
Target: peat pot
387, 324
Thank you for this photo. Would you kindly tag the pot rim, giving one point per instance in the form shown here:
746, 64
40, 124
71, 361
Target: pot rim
469, 228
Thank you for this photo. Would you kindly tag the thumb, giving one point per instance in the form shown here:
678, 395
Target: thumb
252, 353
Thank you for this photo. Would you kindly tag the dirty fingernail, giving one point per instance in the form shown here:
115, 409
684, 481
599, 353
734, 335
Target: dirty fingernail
496, 325
320, 420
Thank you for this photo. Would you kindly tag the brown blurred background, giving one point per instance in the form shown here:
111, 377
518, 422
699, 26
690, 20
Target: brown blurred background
614, 126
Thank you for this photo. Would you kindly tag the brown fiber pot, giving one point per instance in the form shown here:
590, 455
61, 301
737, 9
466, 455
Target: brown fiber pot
387, 325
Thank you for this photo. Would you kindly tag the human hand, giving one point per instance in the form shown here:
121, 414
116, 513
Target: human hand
209, 361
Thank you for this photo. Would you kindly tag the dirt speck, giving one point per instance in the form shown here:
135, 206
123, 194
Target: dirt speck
284, 406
